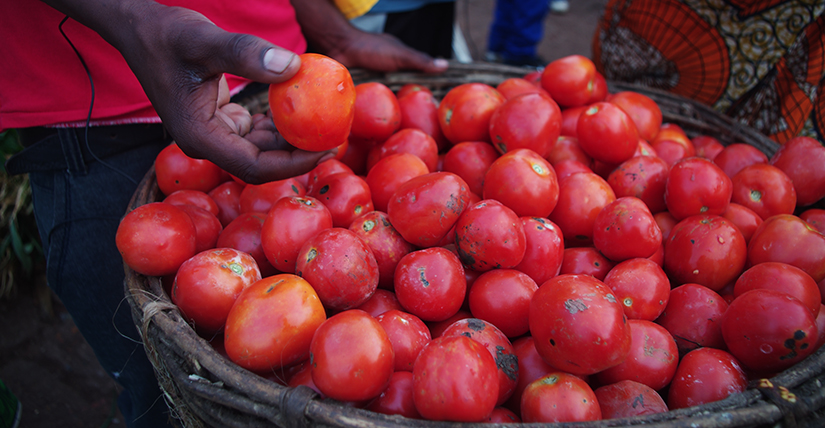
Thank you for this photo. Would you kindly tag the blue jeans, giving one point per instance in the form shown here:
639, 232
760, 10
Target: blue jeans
517, 29
78, 207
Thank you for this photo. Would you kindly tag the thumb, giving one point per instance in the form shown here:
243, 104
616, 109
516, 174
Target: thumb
253, 58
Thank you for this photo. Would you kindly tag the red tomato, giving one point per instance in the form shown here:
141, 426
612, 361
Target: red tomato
765, 189
470, 161
430, 283
801, 159
314, 109
381, 301
288, 225
438, 327
607, 133
586, 261
397, 399
743, 218
576, 215
524, 182
705, 249
502, 415
502, 298
419, 110
674, 132
544, 249
789, 239
272, 323
569, 80
409, 140
193, 197
815, 217
464, 112
346, 196
389, 173
644, 177
705, 375
175, 171
424, 209
207, 285
781, 277
488, 235
706, 146
652, 360
626, 399
625, 229
227, 196
599, 89
156, 238
641, 286
408, 335
530, 367
671, 151
737, 156
376, 114
346, 372
559, 397
578, 324
387, 245
569, 167
697, 186
514, 86
259, 198
499, 347
692, 317
244, 234
528, 121
666, 222
566, 148
409, 88
324, 169
570, 120
643, 110
455, 379
207, 227
340, 266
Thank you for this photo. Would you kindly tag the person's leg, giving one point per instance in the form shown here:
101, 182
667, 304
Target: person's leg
428, 29
500, 28
525, 31
78, 211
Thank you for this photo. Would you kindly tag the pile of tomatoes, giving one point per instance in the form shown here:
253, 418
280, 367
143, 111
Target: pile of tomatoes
539, 251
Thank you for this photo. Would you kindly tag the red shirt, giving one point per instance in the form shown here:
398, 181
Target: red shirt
42, 82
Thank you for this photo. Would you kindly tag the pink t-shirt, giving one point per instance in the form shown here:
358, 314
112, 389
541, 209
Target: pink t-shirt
42, 82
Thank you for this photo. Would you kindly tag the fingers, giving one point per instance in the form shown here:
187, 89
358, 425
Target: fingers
236, 117
252, 57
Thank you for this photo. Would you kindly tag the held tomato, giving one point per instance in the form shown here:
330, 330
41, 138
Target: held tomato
175, 171
376, 114
156, 238
464, 112
314, 109
559, 397
625, 229
544, 249
387, 245
528, 121
524, 182
488, 235
470, 160
288, 225
272, 323
607, 133
430, 283
705, 375
697, 186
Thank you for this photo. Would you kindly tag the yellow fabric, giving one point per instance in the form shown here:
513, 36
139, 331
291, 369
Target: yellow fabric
355, 8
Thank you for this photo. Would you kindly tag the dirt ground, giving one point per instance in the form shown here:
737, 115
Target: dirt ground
46, 362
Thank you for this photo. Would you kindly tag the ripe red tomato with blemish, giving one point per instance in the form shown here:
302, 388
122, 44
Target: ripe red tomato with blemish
489, 235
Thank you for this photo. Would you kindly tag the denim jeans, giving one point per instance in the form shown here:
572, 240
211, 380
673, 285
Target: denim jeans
517, 28
78, 207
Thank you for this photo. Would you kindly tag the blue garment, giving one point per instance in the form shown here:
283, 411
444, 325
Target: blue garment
517, 28
393, 6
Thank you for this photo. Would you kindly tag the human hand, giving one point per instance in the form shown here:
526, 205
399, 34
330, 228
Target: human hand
383, 52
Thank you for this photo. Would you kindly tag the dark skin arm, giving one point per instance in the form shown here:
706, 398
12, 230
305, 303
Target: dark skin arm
179, 58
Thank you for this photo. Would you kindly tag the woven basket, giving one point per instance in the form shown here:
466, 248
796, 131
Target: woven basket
204, 388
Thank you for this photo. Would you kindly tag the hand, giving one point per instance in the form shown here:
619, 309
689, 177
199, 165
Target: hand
384, 52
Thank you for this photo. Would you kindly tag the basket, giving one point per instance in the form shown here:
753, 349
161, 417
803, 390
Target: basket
203, 388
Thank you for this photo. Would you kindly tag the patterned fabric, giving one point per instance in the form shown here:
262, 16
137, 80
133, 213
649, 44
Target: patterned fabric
760, 62
354, 8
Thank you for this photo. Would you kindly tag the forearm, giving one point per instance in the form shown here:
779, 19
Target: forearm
324, 26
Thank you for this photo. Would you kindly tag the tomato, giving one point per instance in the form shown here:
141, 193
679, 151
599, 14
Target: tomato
340, 266
227, 196
576, 215
578, 324
314, 109
671, 151
706, 146
607, 133
544, 249
455, 379
464, 112
743, 218
626, 399
387, 245
409, 88
692, 317
193, 197
470, 160
569, 167
568, 147
381, 301
530, 367
502, 415
675, 133
324, 169
585, 260
408, 335
389, 173
705, 249
345, 195
625, 229
502, 298
643, 110
789, 239
156, 238
737, 156
524, 182
351, 373
559, 397
174, 171
430, 284
765, 189
488, 235
815, 217
514, 86
424, 209
419, 110
533, 77
705, 375
499, 347
528, 121
801, 159
570, 120
244, 234
697, 186
409, 140
207, 227
376, 114
207, 285
600, 91
652, 360
272, 323
259, 198
438, 327
644, 177
641, 286
288, 225
397, 399
781, 277
569, 80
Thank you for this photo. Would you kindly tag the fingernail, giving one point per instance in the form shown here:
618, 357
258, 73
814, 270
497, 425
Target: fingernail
331, 154
277, 60
441, 63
